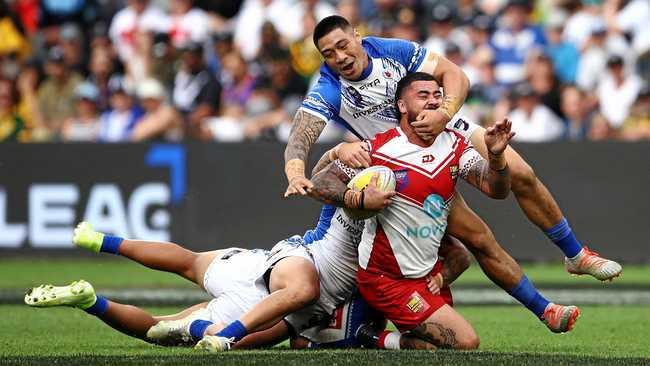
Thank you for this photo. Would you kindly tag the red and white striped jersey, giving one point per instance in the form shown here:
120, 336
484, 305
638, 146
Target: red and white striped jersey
403, 239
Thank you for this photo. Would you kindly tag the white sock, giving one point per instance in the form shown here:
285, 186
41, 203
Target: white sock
577, 256
392, 340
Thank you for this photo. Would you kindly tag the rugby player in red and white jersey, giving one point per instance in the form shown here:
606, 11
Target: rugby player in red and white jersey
399, 246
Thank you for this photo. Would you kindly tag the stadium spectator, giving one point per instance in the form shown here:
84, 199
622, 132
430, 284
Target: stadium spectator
101, 68
631, 17
56, 93
637, 125
126, 30
565, 55
72, 44
442, 31
160, 120
513, 39
619, 86
164, 59
532, 120
479, 31
576, 112
541, 76
118, 123
187, 23
594, 56
84, 125
250, 19
12, 126
581, 24
196, 93
13, 41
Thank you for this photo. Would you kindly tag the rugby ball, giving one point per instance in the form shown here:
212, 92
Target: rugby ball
385, 182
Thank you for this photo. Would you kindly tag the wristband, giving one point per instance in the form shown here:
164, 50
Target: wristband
449, 106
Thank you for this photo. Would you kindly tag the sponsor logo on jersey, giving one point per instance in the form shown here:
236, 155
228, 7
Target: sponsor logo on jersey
427, 159
461, 125
373, 109
388, 74
354, 93
369, 85
453, 170
402, 179
417, 303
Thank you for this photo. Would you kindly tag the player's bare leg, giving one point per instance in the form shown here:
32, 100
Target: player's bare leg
445, 328
293, 284
503, 270
127, 319
542, 210
168, 257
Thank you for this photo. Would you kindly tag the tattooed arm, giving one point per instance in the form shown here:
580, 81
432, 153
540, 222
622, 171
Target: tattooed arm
330, 186
304, 133
491, 177
457, 260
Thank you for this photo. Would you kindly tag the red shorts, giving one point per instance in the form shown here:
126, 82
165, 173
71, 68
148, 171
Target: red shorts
407, 302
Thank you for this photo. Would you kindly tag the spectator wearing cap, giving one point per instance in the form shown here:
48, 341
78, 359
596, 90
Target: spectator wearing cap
196, 93
565, 55
532, 120
117, 124
442, 31
637, 125
74, 55
160, 120
479, 31
84, 125
513, 39
617, 91
56, 93
577, 114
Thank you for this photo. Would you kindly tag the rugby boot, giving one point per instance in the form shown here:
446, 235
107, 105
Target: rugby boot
79, 294
86, 237
560, 318
213, 343
176, 332
591, 263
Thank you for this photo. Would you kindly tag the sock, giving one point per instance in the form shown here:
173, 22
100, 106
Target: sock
234, 330
198, 327
528, 295
99, 307
389, 340
111, 244
562, 235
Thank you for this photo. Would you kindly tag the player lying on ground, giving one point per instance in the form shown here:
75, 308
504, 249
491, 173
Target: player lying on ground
235, 278
394, 254
356, 89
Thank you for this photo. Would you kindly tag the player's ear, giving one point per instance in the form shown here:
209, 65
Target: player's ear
401, 106
357, 35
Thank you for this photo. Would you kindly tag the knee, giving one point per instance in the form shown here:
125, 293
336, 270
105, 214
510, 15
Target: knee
304, 293
468, 341
523, 176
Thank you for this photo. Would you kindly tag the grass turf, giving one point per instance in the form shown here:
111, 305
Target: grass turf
509, 335
113, 272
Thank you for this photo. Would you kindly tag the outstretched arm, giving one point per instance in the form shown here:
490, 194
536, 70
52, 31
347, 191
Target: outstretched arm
304, 133
492, 177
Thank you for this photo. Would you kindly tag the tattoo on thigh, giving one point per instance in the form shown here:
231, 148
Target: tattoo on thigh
436, 334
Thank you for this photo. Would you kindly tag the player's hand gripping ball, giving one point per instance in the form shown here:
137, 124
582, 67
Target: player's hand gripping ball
386, 182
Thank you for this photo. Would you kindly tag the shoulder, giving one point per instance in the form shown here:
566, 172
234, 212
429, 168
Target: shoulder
378, 46
382, 138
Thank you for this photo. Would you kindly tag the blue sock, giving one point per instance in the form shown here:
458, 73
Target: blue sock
198, 327
111, 244
99, 307
528, 295
234, 330
562, 235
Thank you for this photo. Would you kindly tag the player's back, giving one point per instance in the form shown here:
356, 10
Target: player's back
334, 246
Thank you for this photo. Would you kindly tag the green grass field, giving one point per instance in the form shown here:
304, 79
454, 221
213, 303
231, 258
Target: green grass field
604, 335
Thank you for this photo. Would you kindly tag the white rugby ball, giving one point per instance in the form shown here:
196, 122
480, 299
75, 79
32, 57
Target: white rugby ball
385, 182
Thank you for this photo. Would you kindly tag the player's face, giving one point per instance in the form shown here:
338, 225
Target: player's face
343, 53
420, 95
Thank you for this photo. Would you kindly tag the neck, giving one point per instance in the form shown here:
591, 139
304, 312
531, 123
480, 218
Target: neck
413, 137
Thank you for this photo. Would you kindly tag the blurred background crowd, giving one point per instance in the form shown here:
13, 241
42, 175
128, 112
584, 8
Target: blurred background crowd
233, 70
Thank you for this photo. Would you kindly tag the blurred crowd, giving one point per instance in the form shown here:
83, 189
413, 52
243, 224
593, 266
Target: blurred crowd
143, 70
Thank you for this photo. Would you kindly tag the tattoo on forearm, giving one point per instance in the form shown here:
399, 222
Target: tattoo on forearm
436, 334
322, 163
491, 182
453, 267
330, 185
304, 133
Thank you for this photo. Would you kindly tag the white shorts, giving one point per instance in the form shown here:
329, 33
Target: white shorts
235, 280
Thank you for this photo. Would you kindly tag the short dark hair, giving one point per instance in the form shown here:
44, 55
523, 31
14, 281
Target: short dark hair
408, 80
327, 25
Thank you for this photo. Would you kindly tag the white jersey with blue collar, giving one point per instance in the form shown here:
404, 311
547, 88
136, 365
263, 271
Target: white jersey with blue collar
366, 106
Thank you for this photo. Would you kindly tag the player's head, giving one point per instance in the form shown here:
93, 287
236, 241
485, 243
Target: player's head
340, 45
416, 92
